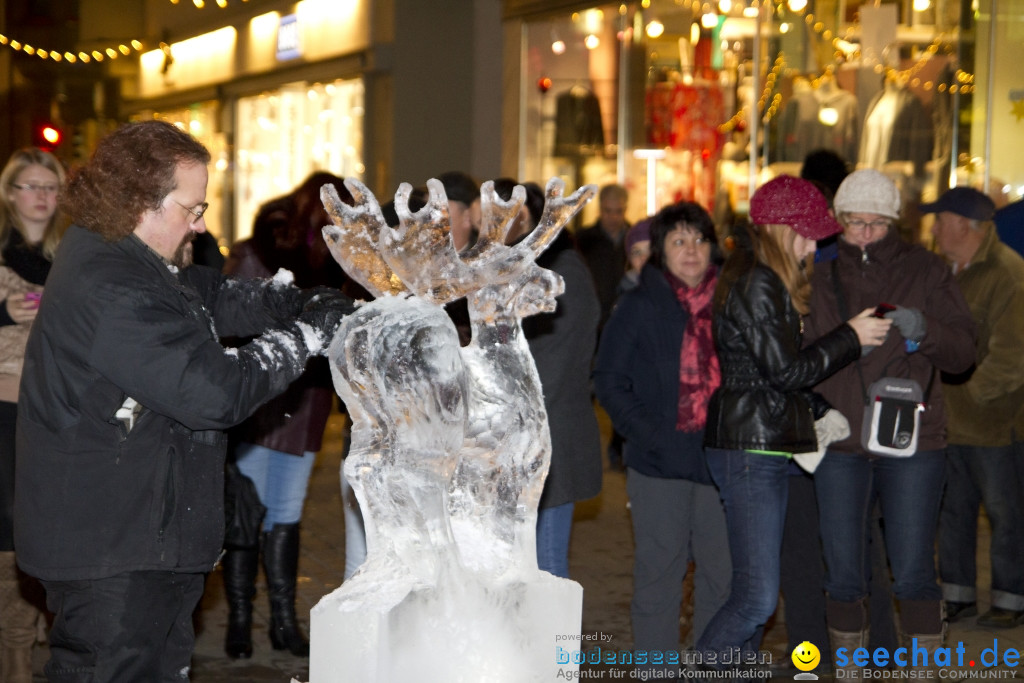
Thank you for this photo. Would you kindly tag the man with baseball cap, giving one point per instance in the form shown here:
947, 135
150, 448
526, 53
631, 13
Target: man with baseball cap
982, 404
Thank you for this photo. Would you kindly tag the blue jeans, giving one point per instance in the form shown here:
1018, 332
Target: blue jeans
554, 526
281, 480
978, 476
754, 488
909, 491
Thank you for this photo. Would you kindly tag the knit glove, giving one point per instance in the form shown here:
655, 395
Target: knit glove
910, 322
830, 427
320, 321
318, 296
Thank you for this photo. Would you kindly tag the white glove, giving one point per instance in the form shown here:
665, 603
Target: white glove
832, 426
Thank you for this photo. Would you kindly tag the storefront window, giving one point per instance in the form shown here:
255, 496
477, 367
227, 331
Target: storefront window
284, 135
703, 101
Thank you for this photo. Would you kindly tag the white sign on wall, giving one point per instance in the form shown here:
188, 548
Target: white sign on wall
288, 44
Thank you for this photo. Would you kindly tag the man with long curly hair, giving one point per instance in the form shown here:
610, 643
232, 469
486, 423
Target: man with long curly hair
125, 395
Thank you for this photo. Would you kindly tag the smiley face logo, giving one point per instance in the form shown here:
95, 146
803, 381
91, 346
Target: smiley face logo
806, 656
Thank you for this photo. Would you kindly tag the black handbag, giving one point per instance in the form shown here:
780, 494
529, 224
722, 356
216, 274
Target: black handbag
243, 511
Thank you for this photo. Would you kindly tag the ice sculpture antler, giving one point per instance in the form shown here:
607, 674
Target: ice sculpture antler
419, 255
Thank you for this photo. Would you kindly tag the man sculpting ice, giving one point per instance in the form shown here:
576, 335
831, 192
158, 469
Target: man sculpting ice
125, 393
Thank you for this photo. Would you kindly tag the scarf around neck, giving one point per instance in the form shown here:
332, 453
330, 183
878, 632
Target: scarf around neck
25, 259
699, 372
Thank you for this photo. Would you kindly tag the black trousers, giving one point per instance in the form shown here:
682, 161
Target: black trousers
131, 627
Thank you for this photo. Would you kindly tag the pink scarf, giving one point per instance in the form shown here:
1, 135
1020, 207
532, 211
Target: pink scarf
699, 372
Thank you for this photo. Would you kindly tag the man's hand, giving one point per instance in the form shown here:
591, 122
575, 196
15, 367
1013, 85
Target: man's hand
320, 321
320, 296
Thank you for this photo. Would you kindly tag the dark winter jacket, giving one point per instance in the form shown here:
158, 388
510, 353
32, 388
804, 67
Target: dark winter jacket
764, 402
606, 259
562, 344
894, 272
101, 489
636, 377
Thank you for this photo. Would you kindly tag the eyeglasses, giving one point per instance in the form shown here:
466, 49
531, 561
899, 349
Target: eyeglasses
197, 213
858, 224
32, 187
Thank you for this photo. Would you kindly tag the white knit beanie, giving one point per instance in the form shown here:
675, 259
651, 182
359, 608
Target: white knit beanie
868, 191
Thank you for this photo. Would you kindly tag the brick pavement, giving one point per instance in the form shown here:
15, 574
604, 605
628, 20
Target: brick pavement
600, 559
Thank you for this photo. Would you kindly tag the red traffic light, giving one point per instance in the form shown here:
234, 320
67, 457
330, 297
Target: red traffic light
48, 136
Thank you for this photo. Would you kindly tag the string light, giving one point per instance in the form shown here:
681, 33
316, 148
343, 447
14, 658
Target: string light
110, 52
201, 4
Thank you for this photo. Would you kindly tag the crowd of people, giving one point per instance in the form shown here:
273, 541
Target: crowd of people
739, 368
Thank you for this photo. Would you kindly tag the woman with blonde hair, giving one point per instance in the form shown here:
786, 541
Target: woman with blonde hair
764, 412
30, 228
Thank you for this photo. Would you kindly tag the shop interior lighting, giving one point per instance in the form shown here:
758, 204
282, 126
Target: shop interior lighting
796, 5
724, 6
694, 33
709, 20
922, 5
591, 41
558, 47
750, 12
784, 27
655, 28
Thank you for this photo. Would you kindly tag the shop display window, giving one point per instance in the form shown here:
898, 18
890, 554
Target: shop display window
284, 135
680, 99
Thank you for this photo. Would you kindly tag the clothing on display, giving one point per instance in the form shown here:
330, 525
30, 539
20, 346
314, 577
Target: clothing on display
896, 128
578, 126
818, 118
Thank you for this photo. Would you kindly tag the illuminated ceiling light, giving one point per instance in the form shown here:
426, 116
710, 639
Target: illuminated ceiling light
199, 3
84, 57
922, 5
591, 41
709, 20
796, 5
694, 33
784, 27
558, 47
655, 29
724, 6
137, 45
750, 12
222, 3
111, 53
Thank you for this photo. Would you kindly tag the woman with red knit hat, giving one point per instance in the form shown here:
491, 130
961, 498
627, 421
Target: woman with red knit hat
764, 412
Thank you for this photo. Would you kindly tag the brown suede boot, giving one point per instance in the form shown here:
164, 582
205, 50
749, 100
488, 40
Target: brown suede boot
848, 627
922, 632
17, 625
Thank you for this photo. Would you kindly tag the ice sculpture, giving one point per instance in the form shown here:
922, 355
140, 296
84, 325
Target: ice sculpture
450, 448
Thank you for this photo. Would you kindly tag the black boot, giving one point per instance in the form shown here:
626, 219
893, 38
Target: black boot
240, 567
281, 563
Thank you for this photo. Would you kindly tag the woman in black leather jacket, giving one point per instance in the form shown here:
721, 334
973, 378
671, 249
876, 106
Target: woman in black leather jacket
764, 411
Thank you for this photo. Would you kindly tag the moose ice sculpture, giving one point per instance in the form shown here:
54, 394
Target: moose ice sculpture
450, 448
